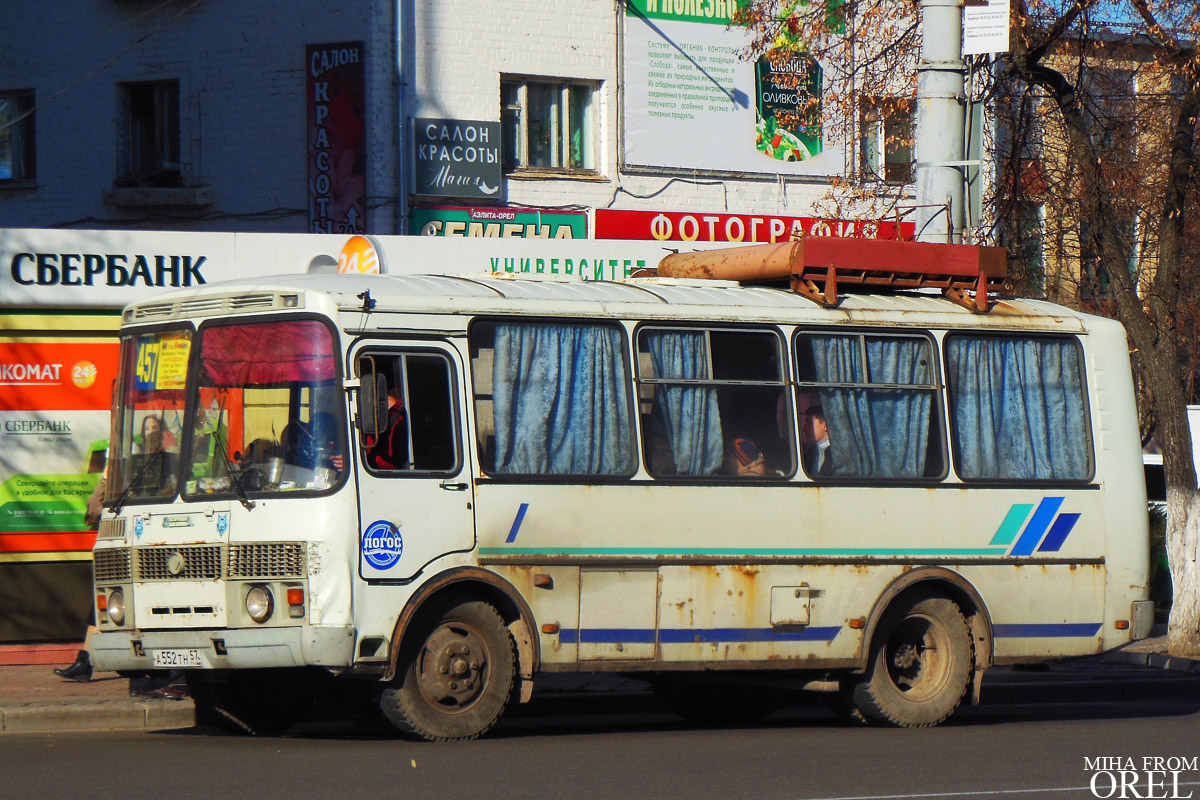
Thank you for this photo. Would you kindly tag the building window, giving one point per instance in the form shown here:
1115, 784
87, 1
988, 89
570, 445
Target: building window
150, 135
885, 139
16, 137
548, 125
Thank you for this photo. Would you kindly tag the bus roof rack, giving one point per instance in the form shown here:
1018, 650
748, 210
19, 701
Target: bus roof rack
819, 266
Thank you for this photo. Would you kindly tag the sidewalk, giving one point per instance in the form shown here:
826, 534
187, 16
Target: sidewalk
33, 698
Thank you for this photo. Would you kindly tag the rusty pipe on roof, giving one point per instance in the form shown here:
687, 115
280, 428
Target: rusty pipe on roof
759, 262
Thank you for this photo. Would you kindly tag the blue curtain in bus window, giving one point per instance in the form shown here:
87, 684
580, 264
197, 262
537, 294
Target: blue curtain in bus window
561, 401
690, 413
1017, 408
877, 433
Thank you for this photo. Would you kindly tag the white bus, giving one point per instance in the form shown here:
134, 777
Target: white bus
717, 487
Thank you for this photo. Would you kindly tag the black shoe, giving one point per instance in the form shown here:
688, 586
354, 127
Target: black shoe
80, 671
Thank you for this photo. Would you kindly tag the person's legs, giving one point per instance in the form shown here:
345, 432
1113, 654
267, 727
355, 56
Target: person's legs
81, 669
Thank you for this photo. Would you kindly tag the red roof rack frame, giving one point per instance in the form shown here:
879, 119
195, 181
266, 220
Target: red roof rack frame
819, 266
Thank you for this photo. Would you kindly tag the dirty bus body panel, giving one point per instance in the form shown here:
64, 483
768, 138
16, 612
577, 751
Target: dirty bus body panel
625, 476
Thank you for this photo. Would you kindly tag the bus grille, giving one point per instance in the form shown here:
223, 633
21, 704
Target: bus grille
197, 563
266, 560
111, 565
112, 528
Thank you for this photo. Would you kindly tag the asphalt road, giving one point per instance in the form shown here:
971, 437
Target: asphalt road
628, 747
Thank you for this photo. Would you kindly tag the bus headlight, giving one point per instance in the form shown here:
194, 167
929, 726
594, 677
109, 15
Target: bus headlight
116, 607
259, 603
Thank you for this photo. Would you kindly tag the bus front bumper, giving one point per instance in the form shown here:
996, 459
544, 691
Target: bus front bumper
243, 648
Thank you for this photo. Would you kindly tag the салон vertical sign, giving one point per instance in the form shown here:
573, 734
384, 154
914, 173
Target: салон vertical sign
337, 138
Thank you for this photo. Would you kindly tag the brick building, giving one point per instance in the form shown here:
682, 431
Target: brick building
214, 115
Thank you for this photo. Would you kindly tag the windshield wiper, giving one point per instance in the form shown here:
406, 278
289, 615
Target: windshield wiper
119, 503
231, 473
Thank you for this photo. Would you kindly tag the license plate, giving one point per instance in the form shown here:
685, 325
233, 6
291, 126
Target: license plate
177, 659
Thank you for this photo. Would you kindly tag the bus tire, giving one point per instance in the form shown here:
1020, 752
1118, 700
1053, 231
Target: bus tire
920, 666
456, 675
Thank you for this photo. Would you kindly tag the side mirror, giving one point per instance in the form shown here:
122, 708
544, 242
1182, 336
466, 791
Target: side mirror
372, 404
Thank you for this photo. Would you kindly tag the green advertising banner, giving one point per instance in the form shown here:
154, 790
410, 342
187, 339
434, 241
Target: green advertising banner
717, 12
497, 223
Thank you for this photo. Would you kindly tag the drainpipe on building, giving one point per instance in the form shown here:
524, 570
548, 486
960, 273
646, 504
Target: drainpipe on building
401, 122
940, 122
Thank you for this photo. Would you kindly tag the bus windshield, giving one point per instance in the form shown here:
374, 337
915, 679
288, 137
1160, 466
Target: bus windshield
260, 416
150, 414
267, 416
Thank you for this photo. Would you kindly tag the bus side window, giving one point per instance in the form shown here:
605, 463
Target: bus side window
875, 395
545, 412
1031, 391
419, 431
713, 399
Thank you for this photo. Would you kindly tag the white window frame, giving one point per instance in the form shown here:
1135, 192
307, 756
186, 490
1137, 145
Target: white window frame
515, 116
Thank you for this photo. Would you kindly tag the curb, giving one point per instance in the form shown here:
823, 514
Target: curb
1159, 660
97, 716
1097, 691
14, 655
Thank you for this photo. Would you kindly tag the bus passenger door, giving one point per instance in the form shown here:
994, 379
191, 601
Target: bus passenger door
415, 488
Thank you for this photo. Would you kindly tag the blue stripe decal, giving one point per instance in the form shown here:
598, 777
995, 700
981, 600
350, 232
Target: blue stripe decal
516, 526
1030, 630
742, 552
715, 635
1058, 533
693, 635
1037, 526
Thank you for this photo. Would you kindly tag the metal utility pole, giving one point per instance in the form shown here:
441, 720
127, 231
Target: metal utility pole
940, 120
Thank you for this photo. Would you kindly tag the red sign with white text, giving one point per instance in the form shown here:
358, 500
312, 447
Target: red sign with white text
683, 226
50, 375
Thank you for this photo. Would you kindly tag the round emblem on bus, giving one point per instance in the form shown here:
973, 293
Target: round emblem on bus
382, 544
176, 563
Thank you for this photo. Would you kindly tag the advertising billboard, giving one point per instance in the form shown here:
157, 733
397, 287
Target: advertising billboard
337, 138
694, 101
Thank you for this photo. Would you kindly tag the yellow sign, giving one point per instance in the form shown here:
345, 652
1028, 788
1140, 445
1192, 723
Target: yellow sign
162, 363
360, 256
173, 362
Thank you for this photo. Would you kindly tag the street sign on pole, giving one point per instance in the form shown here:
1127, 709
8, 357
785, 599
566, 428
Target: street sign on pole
985, 27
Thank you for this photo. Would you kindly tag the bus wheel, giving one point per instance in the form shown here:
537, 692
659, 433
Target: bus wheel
920, 666
456, 677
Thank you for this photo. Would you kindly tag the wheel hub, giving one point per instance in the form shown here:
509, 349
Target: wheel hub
452, 668
906, 656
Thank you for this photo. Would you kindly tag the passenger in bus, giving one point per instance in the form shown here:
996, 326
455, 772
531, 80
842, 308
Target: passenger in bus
746, 459
314, 444
153, 467
390, 449
818, 458
153, 439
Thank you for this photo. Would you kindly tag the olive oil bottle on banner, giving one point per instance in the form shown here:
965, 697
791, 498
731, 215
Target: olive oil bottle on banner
788, 105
